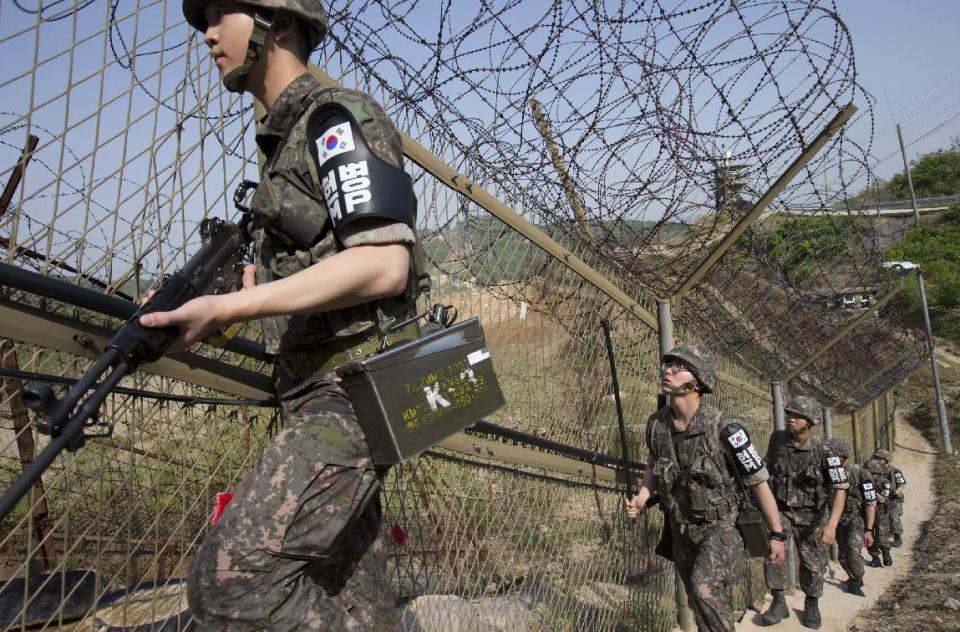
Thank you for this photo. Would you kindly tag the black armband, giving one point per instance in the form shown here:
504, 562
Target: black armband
868, 492
899, 477
833, 470
745, 455
356, 183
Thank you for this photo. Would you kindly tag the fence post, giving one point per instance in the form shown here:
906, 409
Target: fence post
856, 436
776, 389
891, 420
828, 434
685, 620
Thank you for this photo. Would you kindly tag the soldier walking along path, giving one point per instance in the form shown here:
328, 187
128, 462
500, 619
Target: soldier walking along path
839, 609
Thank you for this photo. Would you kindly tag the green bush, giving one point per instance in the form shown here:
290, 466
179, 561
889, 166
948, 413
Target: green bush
937, 249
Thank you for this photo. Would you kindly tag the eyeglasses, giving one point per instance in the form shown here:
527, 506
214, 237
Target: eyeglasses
674, 367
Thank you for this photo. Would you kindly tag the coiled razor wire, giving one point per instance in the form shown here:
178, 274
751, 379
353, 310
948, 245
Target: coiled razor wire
635, 134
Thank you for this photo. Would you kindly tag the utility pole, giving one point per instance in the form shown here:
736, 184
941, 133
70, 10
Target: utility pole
906, 168
941, 407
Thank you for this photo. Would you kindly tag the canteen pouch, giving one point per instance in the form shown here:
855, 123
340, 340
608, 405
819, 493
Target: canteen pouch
753, 528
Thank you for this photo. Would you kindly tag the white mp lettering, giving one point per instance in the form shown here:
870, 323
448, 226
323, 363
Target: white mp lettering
329, 185
748, 463
434, 398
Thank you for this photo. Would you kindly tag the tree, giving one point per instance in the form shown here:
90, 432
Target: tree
933, 174
937, 249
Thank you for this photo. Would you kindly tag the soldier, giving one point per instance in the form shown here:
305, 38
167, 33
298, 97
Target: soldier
804, 475
333, 225
896, 497
856, 524
693, 450
882, 532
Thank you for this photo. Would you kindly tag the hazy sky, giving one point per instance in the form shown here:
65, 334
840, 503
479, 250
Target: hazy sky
906, 55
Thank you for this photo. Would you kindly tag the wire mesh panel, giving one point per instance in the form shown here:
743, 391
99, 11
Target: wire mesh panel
622, 142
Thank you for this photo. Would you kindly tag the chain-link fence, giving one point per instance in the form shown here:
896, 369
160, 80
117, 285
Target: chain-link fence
117, 140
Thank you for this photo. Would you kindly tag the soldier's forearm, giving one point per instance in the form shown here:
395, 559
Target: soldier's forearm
870, 516
768, 505
649, 484
839, 501
351, 277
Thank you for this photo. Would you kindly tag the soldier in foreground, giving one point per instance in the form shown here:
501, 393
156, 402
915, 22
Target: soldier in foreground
899, 482
804, 477
332, 219
882, 531
693, 448
856, 524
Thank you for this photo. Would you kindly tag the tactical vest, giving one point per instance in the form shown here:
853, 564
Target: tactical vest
854, 502
693, 480
797, 475
289, 196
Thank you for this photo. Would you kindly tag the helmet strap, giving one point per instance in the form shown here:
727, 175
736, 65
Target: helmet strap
686, 387
236, 79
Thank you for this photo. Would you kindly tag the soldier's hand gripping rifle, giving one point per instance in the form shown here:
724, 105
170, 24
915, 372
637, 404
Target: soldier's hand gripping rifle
212, 269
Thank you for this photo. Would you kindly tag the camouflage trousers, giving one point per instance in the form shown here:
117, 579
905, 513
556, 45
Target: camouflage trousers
709, 564
805, 529
882, 531
850, 546
896, 516
298, 547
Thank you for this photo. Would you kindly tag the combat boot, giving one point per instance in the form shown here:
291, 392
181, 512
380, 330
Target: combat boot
887, 560
874, 561
897, 540
855, 587
778, 610
811, 613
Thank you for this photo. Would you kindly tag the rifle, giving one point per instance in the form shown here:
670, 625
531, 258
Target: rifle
630, 482
214, 268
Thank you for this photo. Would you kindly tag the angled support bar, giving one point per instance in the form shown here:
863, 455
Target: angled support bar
883, 371
765, 200
843, 331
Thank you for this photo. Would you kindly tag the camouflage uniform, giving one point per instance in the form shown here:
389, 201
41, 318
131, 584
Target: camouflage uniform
698, 496
851, 527
803, 493
897, 503
298, 547
882, 531
898, 482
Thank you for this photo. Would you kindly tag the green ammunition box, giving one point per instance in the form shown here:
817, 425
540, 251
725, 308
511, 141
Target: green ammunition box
413, 395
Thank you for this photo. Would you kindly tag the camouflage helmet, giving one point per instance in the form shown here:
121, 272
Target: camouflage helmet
806, 407
883, 454
873, 467
309, 12
839, 447
701, 362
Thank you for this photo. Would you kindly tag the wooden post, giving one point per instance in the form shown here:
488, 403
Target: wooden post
569, 188
12, 388
856, 436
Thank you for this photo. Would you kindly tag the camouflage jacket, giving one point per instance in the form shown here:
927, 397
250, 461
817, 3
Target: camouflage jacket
694, 479
798, 472
859, 479
289, 194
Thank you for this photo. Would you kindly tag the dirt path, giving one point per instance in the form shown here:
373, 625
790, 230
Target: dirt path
838, 609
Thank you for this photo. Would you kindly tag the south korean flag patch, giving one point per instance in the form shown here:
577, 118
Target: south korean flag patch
335, 140
747, 459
